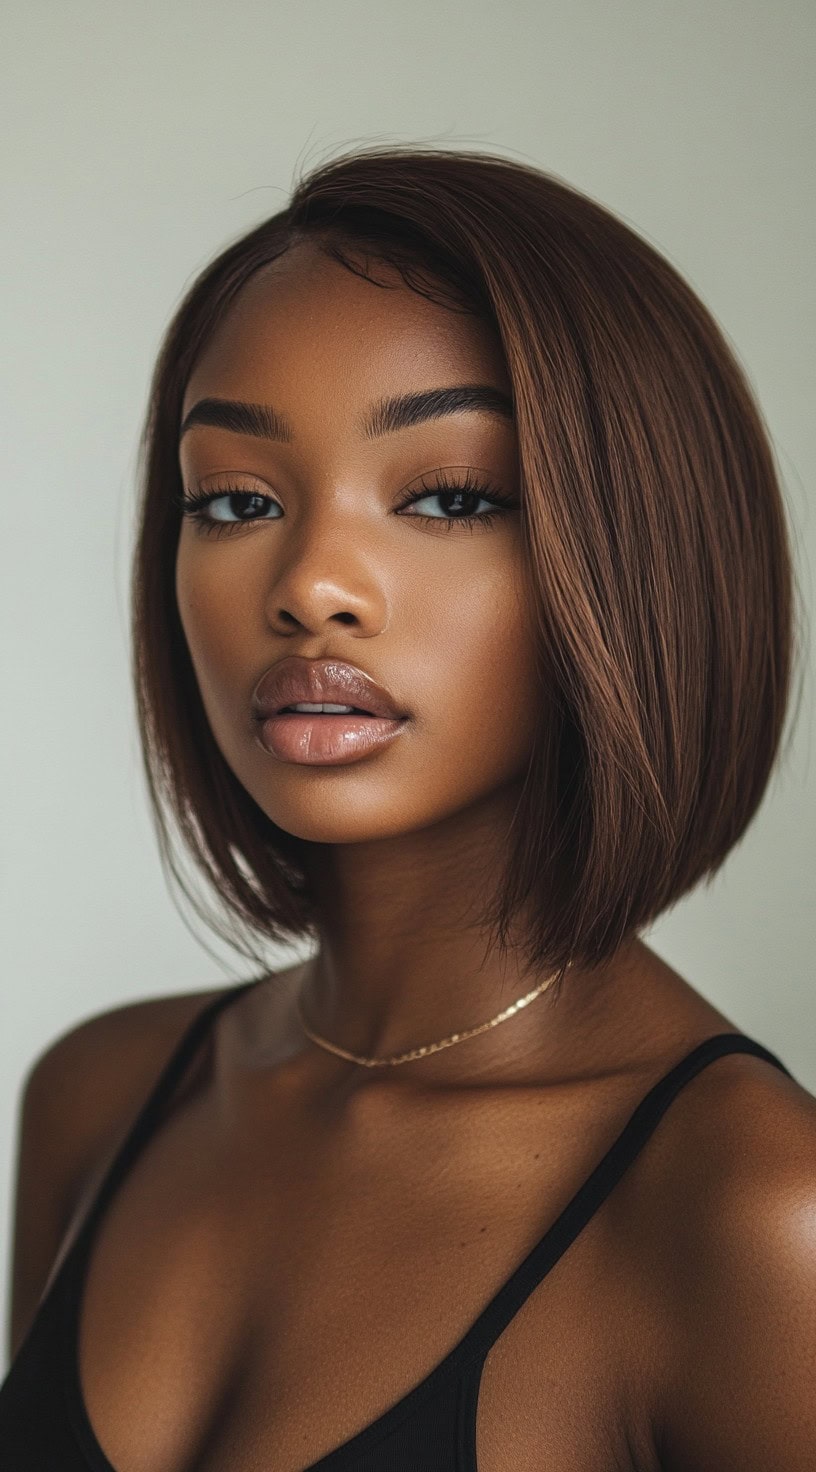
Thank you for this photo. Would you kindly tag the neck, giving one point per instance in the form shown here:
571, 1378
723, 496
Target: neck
403, 960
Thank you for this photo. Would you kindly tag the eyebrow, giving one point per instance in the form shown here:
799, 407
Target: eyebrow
384, 416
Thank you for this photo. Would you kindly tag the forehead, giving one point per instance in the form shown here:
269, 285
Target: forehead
306, 324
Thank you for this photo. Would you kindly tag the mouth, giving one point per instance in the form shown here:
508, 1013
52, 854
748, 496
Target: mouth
324, 712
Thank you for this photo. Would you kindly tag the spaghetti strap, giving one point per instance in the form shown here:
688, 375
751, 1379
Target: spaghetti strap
150, 1111
595, 1189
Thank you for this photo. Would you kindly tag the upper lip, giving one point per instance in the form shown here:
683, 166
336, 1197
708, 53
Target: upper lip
295, 679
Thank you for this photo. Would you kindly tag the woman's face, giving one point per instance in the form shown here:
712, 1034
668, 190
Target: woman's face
334, 563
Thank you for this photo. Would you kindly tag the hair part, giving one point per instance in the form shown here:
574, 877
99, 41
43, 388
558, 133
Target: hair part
656, 556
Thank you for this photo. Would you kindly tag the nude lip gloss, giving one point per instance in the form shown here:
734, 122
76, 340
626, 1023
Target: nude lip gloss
309, 739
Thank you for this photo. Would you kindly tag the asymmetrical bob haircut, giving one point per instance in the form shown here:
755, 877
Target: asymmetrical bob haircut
656, 552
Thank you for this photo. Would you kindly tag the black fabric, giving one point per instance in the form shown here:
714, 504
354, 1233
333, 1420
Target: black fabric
44, 1426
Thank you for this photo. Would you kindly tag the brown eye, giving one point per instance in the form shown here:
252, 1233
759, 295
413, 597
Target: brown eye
246, 506
452, 495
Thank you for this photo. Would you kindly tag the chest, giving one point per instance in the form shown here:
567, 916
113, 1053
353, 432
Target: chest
287, 1302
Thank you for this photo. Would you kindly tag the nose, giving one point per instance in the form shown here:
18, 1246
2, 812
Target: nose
325, 580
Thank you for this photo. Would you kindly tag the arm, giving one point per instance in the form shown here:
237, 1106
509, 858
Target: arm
46, 1166
78, 1099
744, 1391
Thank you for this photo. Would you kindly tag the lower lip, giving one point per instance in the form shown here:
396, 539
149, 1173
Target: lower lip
314, 740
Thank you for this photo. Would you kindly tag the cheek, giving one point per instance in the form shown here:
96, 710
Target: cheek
214, 622
480, 664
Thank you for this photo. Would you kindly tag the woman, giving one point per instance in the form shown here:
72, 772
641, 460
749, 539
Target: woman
463, 629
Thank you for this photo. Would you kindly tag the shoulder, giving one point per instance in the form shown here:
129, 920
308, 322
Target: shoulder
78, 1098
738, 1273
87, 1082
127, 1024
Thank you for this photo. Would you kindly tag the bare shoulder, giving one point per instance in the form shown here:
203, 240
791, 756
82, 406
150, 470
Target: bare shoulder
736, 1268
86, 1083
78, 1098
743, 1128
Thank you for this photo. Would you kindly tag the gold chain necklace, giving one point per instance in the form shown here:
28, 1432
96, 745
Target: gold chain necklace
457, 1037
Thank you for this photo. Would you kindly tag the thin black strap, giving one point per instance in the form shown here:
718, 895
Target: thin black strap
586, 1201
150, 1112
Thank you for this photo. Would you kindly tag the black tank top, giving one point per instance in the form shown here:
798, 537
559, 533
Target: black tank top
44, 1425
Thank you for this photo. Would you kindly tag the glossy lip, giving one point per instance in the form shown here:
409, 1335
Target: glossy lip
295, 679
310, 739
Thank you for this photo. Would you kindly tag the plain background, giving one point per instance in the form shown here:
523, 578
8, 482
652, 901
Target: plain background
138, 139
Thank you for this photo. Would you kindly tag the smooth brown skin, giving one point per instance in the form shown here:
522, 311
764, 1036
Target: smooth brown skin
305, 1239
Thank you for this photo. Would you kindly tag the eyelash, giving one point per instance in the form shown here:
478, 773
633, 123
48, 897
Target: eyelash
193, 504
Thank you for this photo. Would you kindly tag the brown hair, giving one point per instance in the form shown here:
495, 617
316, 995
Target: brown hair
657, 554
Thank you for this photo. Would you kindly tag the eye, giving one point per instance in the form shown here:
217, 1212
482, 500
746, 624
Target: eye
213, 511
463, 493
203, 507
